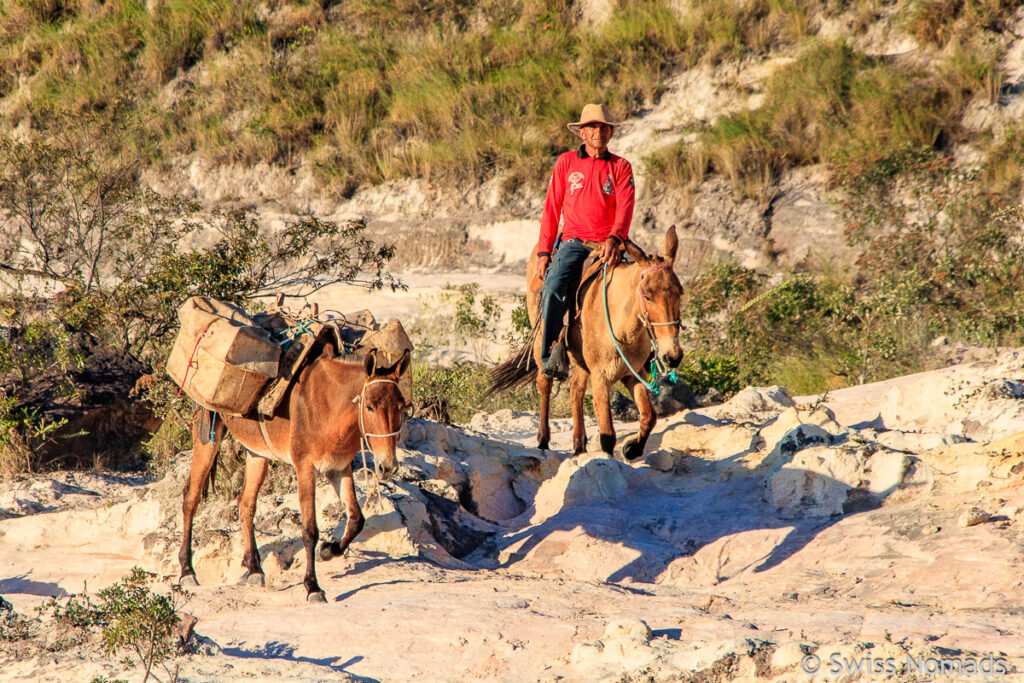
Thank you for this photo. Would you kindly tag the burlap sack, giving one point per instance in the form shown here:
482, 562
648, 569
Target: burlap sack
220, 358
390, 341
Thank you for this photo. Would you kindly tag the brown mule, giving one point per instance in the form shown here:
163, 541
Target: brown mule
643, 302
332, 406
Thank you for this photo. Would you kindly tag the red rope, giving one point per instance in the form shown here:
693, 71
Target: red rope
189, 366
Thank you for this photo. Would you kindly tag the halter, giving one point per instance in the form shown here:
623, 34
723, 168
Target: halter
645, 317
364, 443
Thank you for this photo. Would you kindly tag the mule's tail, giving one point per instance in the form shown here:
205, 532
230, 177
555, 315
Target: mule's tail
203, 421
519, 369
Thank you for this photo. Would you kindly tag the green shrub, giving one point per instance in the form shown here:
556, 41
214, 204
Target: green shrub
703, 372
941, 255
142, 622
132, 618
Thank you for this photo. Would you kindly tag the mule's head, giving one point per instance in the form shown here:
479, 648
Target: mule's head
659, 295
382, 406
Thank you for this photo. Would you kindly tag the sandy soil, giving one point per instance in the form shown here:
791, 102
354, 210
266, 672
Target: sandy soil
752, 536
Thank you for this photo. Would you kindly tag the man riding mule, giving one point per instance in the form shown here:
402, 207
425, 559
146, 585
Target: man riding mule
593, 189
628, 314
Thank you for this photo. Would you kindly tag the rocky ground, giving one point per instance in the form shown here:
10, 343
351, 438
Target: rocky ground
874, 533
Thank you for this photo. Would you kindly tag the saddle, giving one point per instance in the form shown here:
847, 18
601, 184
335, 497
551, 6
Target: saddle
593, 267
303, 338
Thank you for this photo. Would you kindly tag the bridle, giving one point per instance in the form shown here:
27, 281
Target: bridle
645, 317
364, 443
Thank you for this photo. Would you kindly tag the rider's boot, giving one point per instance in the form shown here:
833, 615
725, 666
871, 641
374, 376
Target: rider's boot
557, 365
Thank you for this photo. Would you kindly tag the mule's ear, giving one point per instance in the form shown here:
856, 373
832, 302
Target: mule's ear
635, 252
403, 363
328, 350
371, 362
671, 244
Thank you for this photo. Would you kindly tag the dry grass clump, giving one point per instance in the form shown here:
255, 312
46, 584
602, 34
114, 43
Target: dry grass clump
938, 22
1003, 173
728, 30
834, 105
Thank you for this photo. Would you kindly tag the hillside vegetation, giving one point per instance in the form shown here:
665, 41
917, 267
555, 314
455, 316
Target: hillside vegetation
365, 91
369, 91
459, 93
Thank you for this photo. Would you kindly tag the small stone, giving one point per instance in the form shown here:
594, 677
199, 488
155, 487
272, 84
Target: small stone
629, 629
186, 627
940, 341
788, 656
932, 529
973, 517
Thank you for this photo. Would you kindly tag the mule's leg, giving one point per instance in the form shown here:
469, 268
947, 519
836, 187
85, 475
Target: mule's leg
577, 390
346, 489
544, 430
633, 447
203, 457
307, 504
603, 409
255, 471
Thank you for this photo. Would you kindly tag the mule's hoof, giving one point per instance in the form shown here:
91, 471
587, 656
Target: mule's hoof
329, 551
631, 450
251, 579
189, 580
316, 596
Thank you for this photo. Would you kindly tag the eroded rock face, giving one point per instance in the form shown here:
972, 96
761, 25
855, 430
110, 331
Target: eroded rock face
866, 543
824, 481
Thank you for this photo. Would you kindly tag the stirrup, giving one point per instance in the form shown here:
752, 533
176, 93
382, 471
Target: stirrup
557, 366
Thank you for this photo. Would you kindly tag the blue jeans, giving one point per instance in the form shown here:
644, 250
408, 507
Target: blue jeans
559, 292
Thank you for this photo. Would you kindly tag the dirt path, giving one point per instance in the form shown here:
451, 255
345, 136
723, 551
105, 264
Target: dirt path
753, 536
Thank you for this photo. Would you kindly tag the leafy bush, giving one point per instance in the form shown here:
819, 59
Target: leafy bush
77, 221
13, 626
941, 255
141, 621
703, 372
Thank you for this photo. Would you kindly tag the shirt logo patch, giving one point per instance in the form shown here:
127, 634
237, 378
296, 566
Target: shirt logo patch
607, 188
575, 182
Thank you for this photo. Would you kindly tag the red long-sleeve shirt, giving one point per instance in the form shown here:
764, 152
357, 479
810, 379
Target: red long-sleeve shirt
594, 195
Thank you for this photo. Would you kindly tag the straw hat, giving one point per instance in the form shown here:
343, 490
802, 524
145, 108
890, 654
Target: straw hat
593, 113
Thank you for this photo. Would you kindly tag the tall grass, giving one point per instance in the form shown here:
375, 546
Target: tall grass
939, 22
833, 105
367, 91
